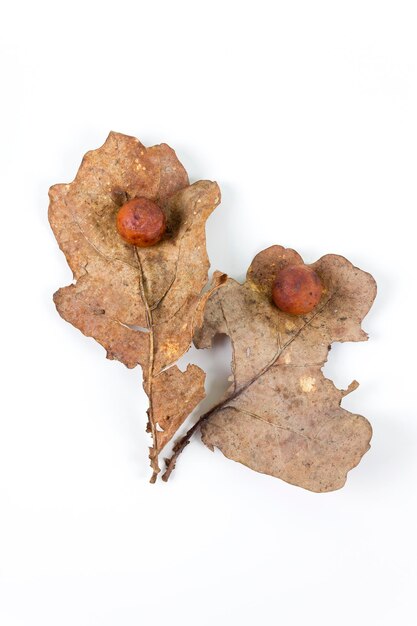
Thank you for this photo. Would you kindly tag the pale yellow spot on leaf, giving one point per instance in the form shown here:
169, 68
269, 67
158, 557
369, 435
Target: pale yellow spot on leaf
170, 348
307, 383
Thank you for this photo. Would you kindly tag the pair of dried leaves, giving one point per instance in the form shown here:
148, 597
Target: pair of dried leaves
281, 416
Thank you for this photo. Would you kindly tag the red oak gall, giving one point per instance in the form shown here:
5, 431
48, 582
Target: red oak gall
297, 289
141, 222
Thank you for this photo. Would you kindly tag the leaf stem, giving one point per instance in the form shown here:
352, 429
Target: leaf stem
153, 451
185, 440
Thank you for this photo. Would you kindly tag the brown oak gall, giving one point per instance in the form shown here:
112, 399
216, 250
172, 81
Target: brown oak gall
297, 289
141, 222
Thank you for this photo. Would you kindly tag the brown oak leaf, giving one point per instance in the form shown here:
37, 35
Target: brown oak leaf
282, 416
141, 304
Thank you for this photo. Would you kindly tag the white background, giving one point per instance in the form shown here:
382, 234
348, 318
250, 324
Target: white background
306, 115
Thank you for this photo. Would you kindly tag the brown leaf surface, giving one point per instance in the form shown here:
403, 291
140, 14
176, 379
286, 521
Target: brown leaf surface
282, 416
140, 304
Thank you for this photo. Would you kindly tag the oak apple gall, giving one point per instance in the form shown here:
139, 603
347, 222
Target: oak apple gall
141, 222
297, 289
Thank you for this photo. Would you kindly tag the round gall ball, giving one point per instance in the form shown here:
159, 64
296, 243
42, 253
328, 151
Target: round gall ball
141, 222
297, 289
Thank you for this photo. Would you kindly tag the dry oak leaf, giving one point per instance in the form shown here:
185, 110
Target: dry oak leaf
140, 304
282, 416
